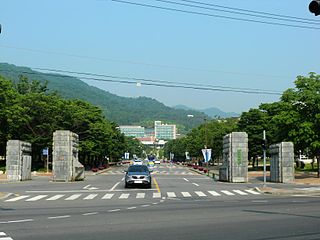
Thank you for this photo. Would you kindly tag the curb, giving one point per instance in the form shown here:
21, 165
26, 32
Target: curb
277, 191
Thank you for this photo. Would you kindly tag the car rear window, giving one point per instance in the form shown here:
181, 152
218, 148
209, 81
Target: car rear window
137, 169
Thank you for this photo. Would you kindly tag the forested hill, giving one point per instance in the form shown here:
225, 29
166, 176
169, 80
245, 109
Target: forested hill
122, 110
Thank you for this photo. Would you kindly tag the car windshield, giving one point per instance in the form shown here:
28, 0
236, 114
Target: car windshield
137, 169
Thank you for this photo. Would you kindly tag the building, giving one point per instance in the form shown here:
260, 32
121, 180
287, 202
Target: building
164, 131
133, 131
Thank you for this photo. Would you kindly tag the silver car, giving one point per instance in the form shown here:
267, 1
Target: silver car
138, 174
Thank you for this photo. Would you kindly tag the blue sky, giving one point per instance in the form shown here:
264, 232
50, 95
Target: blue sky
112, 38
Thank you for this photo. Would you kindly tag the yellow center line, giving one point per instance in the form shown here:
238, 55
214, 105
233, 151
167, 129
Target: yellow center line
157, 185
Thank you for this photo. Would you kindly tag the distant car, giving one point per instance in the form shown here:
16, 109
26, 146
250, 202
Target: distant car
138, 174
156, 161
137, 162
303, 160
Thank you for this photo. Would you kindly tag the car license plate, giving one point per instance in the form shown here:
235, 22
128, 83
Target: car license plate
138, 181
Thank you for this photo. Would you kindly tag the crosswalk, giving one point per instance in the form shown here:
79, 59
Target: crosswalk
155, 172
139, 195
3, 236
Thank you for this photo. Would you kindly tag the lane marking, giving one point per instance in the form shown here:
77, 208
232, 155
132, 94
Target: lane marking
90, 196
200, 194
6, 238
227, 193
156, 184
186, 194
20, 221
214, 193
259, 201
17, 198
146, 205
122, 179
114, 186
114, 210
73, 197
130, 208
196, 184
36, 198
3, 234
108, 196
88, 214
56, 197
86, 187
240, 192
59, 217
186, 179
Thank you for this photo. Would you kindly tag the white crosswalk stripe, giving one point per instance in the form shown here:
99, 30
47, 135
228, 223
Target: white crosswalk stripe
214, 193
156, 195
55, 197
90, 196
3, 236
186, 194
73, 197
171, 194
108, 196
252, 192
200, 194
140, 195
124, 196
17, 198
36, 198
227, 192
240, 192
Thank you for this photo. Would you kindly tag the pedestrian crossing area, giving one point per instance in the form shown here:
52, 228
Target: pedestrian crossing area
130, 195
3, 236
155, 172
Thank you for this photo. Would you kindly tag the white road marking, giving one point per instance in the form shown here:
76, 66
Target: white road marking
17, 198
200, 194
2, 234
36, 198
156, 195
147, 205
140, 195
90, 196
108, 196
20, 221
88, 214
58, 217
186, 179
114, 210
56, 197
114, 186
253, 192
122, 179
214, 193
86, 186
240, 192
259, 201
6, 238
227, 192
73, 197
124, 196
186, 194
196, 184
130, 208
171, 194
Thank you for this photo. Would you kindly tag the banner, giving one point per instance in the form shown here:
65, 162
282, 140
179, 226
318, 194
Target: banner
206, 154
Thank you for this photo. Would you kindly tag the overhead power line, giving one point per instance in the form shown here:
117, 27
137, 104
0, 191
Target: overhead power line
148, 82
215, 15
252, 11
236, 12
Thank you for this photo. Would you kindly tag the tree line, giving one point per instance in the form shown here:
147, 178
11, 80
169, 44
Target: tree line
295, 117
29, 112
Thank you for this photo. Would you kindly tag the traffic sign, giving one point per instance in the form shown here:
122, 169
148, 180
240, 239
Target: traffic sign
206, 154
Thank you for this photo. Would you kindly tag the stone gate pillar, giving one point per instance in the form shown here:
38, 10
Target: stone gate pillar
235, 158
65, 166
282, 162
18, 160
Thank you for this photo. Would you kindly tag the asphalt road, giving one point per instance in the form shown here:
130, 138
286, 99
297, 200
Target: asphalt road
180, 205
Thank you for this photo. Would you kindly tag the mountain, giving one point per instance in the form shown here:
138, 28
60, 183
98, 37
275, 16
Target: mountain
212, 112
124, 111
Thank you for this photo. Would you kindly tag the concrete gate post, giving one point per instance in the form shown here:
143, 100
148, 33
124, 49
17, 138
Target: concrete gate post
282, 162
235, 158
18, 160
65, 166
